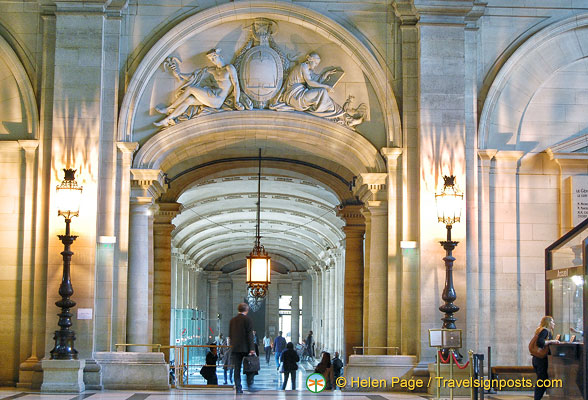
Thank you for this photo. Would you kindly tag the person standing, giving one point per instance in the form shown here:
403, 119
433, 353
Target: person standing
279, 346
290, 360
241, 342
544, 338
227, 361
309, 352
337, 367
267, 347
208, 371
256, 342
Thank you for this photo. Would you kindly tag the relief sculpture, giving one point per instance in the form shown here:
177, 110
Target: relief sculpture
194, 97
255, 80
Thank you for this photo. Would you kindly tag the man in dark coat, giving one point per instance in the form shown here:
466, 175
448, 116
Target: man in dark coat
241, 342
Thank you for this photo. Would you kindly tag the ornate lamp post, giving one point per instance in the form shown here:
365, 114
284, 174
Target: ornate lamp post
68, 205
449, 203
258, 261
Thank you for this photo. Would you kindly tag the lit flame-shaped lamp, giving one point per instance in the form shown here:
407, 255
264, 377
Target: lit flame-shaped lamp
68, 198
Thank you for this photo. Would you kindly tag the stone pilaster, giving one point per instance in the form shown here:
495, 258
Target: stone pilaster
395, 266
503, 242
353, 283
29, 273
295, 308
162, 272
371, 189
146, 185
120, 289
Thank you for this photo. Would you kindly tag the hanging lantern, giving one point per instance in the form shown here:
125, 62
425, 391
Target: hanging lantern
258, 261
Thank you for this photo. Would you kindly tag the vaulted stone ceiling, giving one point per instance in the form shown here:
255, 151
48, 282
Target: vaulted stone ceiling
216, 225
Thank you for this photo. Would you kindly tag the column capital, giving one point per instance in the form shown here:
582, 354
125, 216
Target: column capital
487, 154
127, 147
147, 182
405, 11
507, 160
29, 146
166, 213
391, 153
371, 187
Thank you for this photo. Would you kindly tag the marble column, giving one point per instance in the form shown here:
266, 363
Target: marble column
332, 311
186, 283
325, 308
319, 333
146, 185
295, 310
180, 281
162, 273
192, 284
213, 303
174, 277
353, 281
138, 281
330, 307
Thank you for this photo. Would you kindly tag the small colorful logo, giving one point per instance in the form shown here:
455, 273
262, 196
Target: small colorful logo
315, 383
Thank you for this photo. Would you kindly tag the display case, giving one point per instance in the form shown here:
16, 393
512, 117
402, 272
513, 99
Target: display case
566, 299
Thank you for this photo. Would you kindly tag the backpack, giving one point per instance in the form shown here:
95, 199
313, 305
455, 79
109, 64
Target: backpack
535, 350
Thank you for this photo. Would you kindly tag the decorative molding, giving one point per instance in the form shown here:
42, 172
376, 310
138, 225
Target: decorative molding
147, 183
352, 43
371, 187
299, 130
522, 56
27, 95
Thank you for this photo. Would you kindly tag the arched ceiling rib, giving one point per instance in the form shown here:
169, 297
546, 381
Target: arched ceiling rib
216, 225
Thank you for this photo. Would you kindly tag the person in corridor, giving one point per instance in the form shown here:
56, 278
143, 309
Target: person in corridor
279, 346
290, 359
241, 342
267, 347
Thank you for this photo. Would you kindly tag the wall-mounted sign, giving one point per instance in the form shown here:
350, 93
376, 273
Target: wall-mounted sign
579, 199
84, 313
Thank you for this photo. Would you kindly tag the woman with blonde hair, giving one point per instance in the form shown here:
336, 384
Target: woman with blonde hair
544, 334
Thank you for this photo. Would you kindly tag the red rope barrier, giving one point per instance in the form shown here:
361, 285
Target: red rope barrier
456, 363
443, 361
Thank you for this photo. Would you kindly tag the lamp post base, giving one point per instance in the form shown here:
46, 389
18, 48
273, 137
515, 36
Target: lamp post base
63, 376
64, 346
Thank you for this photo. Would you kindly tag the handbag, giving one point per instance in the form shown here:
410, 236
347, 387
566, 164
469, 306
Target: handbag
536, 350
251, 364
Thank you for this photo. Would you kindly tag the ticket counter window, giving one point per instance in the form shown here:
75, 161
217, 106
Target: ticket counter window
566, 300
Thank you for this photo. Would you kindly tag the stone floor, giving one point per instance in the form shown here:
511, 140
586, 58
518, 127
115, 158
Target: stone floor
267, 386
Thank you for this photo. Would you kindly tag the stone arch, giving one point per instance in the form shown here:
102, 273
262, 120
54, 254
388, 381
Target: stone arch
372, 64
530, 66
25, 88
322, 139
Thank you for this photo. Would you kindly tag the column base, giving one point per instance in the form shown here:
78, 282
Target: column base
30, 374
93, 375
63, 376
